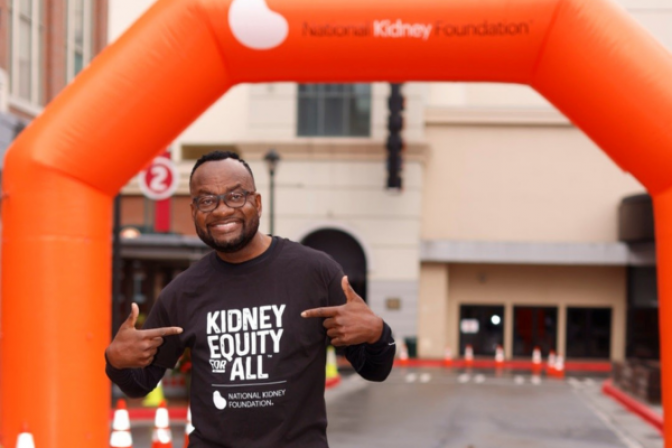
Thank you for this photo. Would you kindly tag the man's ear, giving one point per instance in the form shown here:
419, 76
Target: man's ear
257, 203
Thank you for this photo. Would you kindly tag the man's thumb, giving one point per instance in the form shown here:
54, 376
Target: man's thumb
347, 289
133, 317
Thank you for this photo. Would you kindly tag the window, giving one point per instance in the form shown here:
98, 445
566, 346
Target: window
27, 32
482, 327
334, 110
79, 38
642, 340
534, 327
588, 332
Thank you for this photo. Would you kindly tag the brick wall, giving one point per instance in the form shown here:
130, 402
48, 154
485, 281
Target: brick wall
55, 42
100, 25
133, 213
54, 48
4, 35
54, 58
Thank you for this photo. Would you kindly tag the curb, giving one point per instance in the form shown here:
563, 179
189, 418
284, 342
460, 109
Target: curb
602, 367
633, 405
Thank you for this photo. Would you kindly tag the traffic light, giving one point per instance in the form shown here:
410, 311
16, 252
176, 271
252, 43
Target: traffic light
395, 143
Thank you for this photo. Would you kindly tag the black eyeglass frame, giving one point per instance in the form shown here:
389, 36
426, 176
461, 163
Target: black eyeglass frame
221, 198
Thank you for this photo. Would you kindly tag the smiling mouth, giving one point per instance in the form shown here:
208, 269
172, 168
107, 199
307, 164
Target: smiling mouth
226, 227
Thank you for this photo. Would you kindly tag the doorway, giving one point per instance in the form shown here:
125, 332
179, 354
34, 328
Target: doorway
534, 326
588, 332
346, 251
482, 327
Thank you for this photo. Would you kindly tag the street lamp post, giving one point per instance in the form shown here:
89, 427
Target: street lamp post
272, 158
116, 265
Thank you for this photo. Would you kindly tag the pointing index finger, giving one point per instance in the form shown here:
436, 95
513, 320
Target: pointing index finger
321, 312
161, 332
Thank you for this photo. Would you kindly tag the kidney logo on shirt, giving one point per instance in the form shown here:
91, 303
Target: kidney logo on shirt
220, 402
254, 25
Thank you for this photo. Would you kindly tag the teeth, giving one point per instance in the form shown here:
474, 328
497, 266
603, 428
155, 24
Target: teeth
226, 226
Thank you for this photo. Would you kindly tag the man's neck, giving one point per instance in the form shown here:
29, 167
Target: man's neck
259, 244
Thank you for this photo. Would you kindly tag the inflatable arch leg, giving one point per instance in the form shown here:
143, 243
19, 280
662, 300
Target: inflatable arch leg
589, 58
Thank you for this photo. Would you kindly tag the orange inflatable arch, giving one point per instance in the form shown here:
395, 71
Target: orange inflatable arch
587, 57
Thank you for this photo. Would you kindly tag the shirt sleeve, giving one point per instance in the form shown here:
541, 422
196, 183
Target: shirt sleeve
139, 382
135, 382
372, 362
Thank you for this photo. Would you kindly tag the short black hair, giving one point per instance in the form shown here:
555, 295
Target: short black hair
214, 156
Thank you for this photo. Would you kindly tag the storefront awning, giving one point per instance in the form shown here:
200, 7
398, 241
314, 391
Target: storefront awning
596, 254
163, 247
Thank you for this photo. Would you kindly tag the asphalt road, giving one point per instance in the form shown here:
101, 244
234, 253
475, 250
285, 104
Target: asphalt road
436, 408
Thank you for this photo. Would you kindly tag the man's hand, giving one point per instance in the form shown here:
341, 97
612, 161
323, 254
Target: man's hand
133, 348
350, 324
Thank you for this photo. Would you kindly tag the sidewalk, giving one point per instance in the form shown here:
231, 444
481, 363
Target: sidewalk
652, 414
631, 428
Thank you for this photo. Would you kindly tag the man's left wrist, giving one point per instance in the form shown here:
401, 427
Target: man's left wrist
378, 333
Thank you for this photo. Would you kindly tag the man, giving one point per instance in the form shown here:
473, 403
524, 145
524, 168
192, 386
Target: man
247, 312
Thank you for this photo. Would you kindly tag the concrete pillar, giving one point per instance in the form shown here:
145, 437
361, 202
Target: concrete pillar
433, 313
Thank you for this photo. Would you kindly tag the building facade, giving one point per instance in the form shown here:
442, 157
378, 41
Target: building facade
506, 231
43, 45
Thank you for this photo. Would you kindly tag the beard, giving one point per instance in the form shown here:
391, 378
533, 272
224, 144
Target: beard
249, 230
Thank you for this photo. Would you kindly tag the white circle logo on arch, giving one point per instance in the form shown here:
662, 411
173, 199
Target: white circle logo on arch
254, 24
160, 180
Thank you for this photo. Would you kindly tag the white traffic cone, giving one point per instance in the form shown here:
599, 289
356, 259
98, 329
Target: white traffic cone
25, 439
550, 367
448, 357
189, 428
559, 367
403, 354
121, 427
162, 436
499, 357
468, 356
536, 361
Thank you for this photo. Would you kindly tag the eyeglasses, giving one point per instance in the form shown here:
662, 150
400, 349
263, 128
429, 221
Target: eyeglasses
233, 199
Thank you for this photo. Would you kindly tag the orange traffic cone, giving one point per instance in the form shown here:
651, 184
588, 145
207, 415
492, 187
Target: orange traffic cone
536, 361
403, 354
468, 356
121, 427
559, 367
25, 439
448, 357
162, 437
499, 357
189, 428
550, 367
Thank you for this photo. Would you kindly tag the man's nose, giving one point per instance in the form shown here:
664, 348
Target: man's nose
222, 208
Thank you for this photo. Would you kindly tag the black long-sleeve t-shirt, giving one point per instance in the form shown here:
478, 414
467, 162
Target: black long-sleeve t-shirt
258, 371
